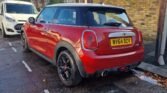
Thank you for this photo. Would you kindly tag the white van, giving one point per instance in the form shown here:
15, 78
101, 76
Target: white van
13, 14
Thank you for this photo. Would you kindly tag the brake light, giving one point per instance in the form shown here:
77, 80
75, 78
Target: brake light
140, 38
89, 40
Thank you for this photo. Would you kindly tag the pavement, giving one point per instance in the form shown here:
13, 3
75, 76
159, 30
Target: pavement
149, 63
28, 73
150, 53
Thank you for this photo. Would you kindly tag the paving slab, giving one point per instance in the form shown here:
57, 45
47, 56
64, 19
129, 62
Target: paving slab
154, 69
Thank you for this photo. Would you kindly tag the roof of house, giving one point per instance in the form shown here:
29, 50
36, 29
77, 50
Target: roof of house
84, 5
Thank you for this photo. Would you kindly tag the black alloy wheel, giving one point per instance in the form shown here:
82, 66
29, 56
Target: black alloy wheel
67, 69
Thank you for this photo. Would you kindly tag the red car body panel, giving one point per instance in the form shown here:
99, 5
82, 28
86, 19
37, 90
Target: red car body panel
58, 33
93, 62
106, 57
44, 38
36, 37
103, 58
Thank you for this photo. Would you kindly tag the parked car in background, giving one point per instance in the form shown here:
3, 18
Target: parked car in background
13, 14
84, 39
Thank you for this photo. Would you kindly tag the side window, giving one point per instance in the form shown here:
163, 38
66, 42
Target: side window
67, 16
96, 18
47, 15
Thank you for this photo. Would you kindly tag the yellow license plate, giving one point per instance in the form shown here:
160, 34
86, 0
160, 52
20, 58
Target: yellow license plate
121, 41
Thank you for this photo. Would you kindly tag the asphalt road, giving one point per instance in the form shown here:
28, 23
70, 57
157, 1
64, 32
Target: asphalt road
28, 73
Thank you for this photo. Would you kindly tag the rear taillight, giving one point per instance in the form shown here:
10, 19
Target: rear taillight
89, 40
140, 37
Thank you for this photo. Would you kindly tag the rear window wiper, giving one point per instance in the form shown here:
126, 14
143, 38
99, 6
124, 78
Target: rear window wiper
113, 24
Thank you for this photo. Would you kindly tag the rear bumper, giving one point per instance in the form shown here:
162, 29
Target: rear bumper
93, 63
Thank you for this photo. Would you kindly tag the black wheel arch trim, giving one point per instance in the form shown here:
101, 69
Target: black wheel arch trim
72, 50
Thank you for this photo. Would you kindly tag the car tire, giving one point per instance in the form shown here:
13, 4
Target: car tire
67, 69
3, 32
24, 43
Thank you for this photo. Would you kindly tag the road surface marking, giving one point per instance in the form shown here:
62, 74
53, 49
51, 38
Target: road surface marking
14, 49
27, 66
46, 91
143, 77
10, 44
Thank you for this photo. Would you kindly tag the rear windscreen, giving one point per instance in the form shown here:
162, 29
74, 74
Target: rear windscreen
101, 16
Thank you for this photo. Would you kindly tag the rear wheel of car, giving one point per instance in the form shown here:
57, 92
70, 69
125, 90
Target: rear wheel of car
24, 43
67, 69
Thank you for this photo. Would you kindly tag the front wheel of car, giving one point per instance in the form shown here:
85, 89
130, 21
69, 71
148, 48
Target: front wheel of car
3, 32
24, 43
67, 69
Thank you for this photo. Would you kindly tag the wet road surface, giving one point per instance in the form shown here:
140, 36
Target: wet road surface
28, 73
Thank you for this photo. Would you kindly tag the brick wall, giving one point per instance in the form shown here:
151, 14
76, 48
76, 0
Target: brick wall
143, 13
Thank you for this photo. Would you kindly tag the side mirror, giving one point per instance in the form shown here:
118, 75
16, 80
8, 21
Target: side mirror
31, 20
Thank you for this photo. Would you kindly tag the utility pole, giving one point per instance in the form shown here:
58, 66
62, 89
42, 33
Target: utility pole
162, 33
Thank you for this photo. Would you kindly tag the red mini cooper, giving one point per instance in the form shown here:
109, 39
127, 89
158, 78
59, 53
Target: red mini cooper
84, 39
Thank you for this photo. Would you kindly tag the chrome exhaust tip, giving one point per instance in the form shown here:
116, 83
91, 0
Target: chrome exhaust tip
104, 73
